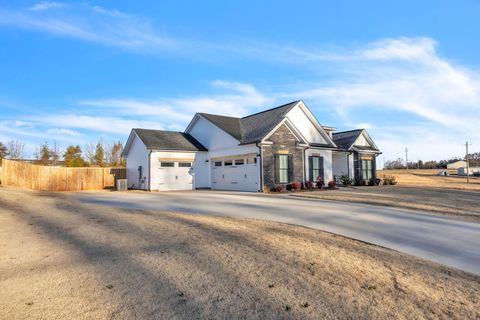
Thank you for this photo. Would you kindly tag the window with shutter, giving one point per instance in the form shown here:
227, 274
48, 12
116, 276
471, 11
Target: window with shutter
282, 168
316, 167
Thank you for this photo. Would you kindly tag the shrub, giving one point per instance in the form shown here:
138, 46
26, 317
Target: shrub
332, 184
289, 187
296, 185
320, 183
389, 180
359, 182
278, 188
374, 182
345, 179
309, 185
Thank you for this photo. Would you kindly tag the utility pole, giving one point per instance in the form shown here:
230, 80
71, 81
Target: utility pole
406, 157
466, 159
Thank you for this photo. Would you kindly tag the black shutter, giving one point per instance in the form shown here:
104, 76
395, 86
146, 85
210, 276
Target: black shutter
276, 168
310, 169
320, 166
291, 172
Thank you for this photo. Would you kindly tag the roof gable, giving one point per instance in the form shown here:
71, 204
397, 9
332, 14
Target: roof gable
165, 140
358, 139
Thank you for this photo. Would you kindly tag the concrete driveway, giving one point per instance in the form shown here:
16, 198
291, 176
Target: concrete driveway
442, 239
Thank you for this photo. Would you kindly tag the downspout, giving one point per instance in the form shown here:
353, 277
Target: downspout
261, 166
149, 171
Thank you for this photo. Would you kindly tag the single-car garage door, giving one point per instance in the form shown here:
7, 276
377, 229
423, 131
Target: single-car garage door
174, 175
239, 174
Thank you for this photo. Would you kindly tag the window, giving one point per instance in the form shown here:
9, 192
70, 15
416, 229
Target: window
164, 164
367, 169
282, 168
218, 163
239, 162
184, 164
316, 167
228, 162
251, 160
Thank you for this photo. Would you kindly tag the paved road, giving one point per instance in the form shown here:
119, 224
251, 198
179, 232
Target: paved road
437, 238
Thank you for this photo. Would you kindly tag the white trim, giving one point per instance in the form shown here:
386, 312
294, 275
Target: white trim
128, 144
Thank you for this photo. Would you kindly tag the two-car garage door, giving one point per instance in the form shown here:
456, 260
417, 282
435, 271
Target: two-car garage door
239, 174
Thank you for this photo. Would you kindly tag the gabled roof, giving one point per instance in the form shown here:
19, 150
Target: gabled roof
168, 140
252, 128
230, 125
346, 139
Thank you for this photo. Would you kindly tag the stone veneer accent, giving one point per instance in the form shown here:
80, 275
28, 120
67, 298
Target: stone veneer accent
283, 140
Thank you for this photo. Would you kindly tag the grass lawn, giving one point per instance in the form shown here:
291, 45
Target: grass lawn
464, 204
428, 178
60, 259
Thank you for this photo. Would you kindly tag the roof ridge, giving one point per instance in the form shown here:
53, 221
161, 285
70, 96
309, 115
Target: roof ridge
217, 115
340, 132
283, 105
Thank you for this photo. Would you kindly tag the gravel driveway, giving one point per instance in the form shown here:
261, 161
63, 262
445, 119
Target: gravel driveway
440, 239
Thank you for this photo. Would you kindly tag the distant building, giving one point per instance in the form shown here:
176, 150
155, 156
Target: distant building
471, 171
457, 164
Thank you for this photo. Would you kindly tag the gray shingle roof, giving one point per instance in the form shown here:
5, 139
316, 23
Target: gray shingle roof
345, 139
252, 128
169, 140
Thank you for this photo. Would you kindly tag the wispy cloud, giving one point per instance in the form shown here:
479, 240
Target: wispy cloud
45, 5
89, 23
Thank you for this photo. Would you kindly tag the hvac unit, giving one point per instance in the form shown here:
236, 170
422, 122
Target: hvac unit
122, 185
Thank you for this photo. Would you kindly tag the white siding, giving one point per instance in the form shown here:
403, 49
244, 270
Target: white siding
212, 137
340, 164
327, 162
350, 166
362, 142
305, 126
202, 170
137, 156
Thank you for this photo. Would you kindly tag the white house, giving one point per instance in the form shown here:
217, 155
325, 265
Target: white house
253, 153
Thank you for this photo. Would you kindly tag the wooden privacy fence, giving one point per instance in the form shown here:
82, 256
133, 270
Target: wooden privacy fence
44, 178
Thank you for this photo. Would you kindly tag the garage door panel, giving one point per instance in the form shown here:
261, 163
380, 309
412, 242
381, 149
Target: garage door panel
174, 178
235, 177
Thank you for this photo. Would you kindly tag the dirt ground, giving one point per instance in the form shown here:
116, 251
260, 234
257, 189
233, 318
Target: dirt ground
464, 204
60, 259
429, 178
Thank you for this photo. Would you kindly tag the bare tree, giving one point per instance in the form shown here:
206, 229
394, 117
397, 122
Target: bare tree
89, 152
15, 149
3, 151
55, 153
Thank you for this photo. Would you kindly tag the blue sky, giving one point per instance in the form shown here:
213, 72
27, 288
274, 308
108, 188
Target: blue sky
75, 72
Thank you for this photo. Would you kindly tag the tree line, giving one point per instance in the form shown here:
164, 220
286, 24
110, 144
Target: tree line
98, 154
473, 159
